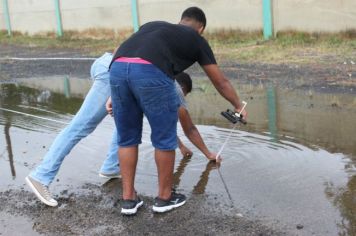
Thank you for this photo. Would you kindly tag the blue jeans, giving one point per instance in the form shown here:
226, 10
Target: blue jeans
138, 89
90, 114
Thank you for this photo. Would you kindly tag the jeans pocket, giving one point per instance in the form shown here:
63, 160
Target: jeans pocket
157, 100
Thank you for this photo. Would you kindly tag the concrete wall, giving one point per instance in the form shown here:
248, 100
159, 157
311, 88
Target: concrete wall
33, 16
84, 14
314, 15
243, 14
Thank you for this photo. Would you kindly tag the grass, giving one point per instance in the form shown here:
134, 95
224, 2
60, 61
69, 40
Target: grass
241, 46
289, 47
92, 41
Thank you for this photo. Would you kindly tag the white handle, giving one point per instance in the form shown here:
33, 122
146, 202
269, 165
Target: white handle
238, 114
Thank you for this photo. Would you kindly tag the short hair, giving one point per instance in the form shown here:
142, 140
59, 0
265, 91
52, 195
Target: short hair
185, 81
195, 13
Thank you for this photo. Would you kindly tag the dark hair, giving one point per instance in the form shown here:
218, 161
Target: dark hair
195, 13
185, 81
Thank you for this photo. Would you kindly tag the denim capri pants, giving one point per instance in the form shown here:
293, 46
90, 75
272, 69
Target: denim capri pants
143, 89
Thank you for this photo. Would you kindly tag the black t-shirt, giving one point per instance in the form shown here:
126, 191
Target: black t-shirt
171, 47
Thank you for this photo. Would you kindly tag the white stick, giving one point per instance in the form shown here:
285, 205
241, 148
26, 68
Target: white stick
243, 108
223, 146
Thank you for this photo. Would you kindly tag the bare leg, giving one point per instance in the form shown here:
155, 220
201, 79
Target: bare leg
165, 168
128, 160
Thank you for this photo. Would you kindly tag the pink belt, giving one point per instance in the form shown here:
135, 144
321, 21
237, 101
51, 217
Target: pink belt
132, 60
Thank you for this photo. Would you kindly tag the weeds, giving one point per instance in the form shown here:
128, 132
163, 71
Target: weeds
228, 44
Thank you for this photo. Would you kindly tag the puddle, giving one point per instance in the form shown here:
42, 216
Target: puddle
291, 166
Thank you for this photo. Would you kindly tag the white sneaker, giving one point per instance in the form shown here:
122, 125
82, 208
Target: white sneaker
110, 176
41, 192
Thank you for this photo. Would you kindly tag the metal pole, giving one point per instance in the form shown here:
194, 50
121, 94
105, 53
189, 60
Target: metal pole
7, 17
134, 11
267, 19
58, 18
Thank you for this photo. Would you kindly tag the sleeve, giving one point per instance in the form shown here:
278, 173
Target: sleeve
206, 55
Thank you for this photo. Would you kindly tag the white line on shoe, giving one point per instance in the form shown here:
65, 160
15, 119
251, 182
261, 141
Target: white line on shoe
131, 211
167, 208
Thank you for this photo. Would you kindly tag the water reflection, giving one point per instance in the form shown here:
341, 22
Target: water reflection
277, 166
344, 198
313, 118
272, 113
199, 188
7, 96
9, 148
180, 170
22, 104
28, 108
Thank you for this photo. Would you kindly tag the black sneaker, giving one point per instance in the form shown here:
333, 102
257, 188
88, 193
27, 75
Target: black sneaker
129, 207
175, 201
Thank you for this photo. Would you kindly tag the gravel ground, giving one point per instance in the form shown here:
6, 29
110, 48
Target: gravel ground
94, 210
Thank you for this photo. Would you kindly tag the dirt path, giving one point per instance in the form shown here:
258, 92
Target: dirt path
338, 77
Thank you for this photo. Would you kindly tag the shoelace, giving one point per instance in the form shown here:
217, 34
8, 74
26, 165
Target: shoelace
46, 192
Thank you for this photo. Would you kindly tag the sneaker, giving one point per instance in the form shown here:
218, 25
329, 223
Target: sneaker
41, 192
110, 176
175, 201
129, 207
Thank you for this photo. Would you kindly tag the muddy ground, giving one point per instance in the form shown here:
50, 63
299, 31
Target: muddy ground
94, 210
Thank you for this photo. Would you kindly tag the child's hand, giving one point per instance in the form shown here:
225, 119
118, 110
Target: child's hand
108, 106
186, 152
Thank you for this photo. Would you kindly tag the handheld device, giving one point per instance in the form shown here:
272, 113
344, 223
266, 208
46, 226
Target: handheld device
233, 117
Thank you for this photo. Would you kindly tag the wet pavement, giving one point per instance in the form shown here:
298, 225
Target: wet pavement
291, 170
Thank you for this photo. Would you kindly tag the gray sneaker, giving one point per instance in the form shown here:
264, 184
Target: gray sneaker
41, 192
175, 201
130, 207
110, 176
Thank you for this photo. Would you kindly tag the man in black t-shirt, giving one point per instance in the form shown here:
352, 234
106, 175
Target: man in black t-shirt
141, 78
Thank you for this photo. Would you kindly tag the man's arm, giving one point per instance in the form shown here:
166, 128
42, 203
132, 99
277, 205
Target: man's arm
192, 133
224, 87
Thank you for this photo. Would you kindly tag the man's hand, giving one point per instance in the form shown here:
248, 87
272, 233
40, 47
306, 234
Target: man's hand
213, 157
108, 106
186, 152
243, 113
